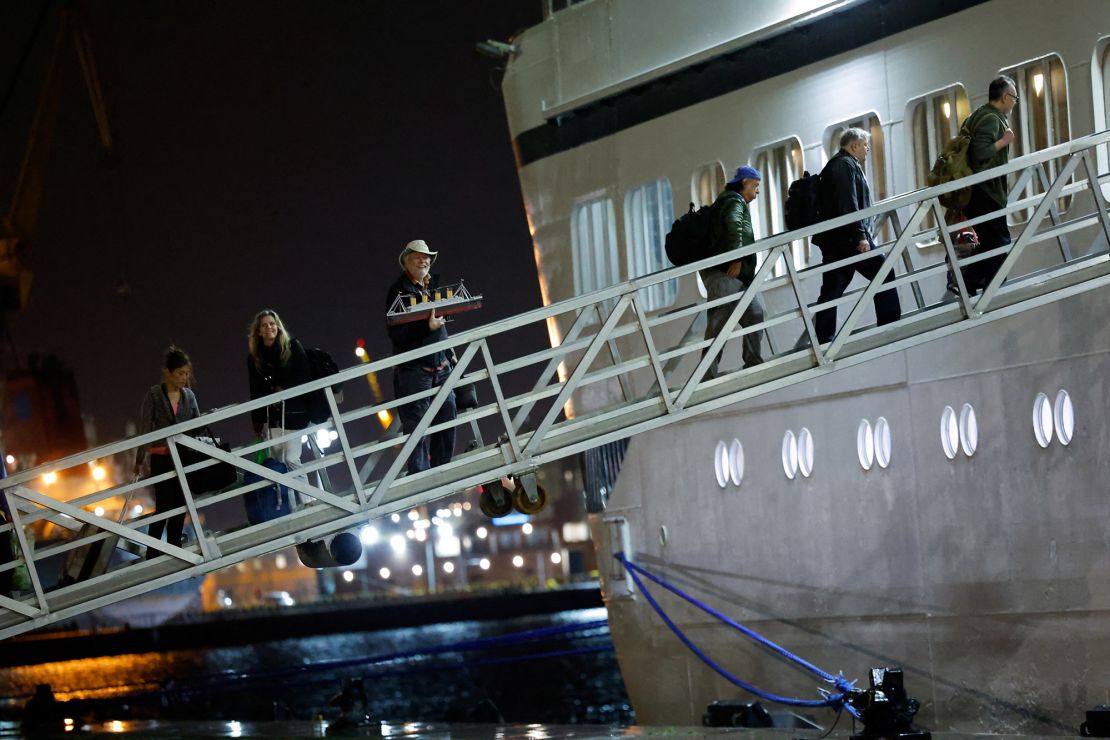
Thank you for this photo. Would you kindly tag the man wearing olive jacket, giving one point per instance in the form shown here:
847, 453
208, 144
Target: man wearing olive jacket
990, 147
732, 229
843, 189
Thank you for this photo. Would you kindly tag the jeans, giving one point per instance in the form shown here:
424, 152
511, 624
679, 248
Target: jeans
719, 285
888, 308
438, 447
993, 234
167, 495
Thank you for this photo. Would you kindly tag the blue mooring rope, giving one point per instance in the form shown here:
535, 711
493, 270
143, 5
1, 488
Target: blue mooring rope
836, 701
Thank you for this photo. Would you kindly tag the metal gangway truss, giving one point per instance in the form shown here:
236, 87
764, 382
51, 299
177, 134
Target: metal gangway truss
623, 369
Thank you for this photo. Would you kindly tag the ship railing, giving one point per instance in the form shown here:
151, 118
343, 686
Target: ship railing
604, 379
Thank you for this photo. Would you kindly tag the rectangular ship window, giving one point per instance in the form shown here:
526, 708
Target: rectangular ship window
648, 213
1100, 79
779, 164
707, 183
594, 245
874, 169
934, 119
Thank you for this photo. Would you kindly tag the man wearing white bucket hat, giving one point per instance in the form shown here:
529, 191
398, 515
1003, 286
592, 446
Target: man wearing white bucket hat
421, 373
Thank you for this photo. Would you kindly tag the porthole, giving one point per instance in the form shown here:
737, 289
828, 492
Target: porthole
720, 464
969, 430
949, 433
882, 442
805, 452
1063, 414
736, 462
1042, 420
789, 454
865, 444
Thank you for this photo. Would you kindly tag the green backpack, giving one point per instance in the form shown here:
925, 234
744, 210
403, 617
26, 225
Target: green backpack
952, 164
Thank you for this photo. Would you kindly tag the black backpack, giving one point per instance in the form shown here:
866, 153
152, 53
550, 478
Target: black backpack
321, 365
801, 208
691, 236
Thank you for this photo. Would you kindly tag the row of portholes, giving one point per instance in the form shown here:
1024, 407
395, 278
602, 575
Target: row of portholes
797, 457
959, 433
873, 443
962, 432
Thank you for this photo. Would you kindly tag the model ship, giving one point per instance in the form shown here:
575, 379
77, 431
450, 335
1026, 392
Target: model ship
444, 300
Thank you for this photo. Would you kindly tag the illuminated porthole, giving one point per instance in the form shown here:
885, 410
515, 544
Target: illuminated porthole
1063, 414
969, 430
789, 454
1042, 420
865, 444
720, 464
736, 462
882, 442
949, 433
805, 452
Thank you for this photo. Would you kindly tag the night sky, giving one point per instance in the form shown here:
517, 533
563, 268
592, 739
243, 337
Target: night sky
273, 154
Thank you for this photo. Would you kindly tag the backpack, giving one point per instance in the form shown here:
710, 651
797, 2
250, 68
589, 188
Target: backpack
952, 164
800, 209
691, 236
321, 365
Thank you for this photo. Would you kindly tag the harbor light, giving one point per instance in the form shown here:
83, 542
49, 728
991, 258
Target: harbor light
518, 561
323, 439
466, 506
397, 542
414, 515
360, 352
395, 518
384, 573
445, 530
421, 535
99, 511
448, 567
443, 513
417, 570
385, 418
369, 535
348, 576
484, 563
50, 478
556, 558
280, 561
410, 533
526, 528
99, 473
482, 533
10, 459
136, 509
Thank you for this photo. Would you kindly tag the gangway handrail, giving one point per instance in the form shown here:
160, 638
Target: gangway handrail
601, 319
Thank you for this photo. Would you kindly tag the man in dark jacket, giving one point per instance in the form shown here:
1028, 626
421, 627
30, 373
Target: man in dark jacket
431, 371
732, 229
843, 189
990, 141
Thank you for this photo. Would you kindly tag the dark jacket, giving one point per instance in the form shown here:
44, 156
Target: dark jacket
986, 126
157, 413
732, 229
414, 334
270, 376
843, 189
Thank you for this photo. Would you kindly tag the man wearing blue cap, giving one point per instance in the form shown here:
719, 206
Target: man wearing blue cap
732, 229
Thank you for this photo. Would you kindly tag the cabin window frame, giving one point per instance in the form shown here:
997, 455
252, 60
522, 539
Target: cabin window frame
717, 167
644, 245
589, 280
769, 209
1100, 100
878, 162
922, 149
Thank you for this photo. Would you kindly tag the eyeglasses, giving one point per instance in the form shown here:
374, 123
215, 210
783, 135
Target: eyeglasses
1015, 97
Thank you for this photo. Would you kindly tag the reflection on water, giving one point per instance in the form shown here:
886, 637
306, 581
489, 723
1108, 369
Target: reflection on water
566, 679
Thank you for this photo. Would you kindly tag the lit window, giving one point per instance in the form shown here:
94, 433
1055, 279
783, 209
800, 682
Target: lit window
949, 433
875, 168
1040, 120
1042, 420
865, 444
790, 454
969, 430
594, 243
648, 214
1063, 414
882, 442
736, 462
780, 164
707, 183
720, 464
934, 119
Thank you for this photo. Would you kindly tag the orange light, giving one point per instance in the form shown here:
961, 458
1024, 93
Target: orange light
385, 418
50, 478
99, 473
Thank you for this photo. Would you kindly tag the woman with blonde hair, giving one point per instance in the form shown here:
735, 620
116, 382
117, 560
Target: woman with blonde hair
165, 404
277, 361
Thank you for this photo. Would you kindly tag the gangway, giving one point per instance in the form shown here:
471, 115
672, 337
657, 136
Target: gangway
611, 348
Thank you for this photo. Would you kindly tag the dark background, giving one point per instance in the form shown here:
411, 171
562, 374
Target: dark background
273, 154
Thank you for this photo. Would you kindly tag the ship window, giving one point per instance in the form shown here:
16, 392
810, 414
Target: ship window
648, 213
882, 442
720, 464
1040, 120
1042, 420
874, 168
707, 183
934, 119
779, 164
1100, 77
865, 444
789, 454
594, 243
736, 462
805, 452
949, 433
969, 430
1063, 414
